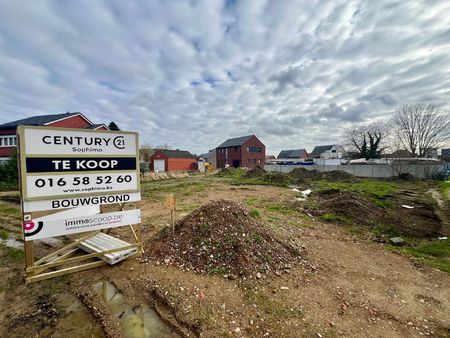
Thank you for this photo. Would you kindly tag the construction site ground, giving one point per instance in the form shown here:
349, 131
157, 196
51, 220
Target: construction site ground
345, 279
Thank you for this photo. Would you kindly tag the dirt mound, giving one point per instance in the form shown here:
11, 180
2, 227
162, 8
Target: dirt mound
338, 175
221, 237
302, 174
255, 172
405, 176
344, 207
276, 178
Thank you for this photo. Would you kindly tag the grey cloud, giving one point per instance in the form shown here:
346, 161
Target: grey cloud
300, 70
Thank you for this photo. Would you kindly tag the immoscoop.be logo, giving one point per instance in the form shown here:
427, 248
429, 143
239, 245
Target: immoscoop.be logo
96, 220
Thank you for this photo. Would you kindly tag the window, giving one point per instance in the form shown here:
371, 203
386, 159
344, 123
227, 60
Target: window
254, 149
333, 151
249, 161
235, 149
254, 160
259, 161
8, 141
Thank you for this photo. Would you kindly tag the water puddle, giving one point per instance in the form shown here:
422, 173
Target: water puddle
77, 322
136, 321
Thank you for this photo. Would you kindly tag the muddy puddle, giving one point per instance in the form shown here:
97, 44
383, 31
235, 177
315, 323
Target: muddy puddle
136, 321
77, 322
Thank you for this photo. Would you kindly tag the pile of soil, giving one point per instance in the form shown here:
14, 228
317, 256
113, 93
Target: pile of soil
350, 207
338, 175
255, 172
356, 209
302, 174
299, 175
221, 237
276, 178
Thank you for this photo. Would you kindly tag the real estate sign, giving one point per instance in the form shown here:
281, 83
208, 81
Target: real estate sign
43, 228
65, 176
59, 163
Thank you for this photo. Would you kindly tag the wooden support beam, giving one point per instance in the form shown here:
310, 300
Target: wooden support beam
64, 271
80, 258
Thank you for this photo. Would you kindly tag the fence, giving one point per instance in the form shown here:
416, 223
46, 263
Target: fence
421, 171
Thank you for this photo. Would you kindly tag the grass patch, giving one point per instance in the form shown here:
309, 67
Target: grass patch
4, 234
252, 201
255, 213
444, 187
381, 202
435, 254
7, 210
11, 255
173, 186
333, 218
374, 188
280, 208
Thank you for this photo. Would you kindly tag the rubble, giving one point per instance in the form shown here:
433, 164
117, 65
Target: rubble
221, 237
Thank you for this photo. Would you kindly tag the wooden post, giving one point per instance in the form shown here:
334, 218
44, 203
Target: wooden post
171, 205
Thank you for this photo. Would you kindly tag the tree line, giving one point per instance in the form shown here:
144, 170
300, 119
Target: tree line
416, 128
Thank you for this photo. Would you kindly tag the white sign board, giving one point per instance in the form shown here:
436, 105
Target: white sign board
78, 184
78, 142
61, 163
48, 227
75, 202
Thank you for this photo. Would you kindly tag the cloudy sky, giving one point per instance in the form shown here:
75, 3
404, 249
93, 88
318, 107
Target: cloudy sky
194, 73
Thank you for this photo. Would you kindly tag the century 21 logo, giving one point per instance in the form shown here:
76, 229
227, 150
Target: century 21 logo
119, 142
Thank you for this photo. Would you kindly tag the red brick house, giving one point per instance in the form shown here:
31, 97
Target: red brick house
172, 160
246, 151
8, 140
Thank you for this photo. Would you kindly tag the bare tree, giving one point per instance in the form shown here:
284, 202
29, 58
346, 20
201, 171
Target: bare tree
419, 128
146, 152
164, 146
369, 141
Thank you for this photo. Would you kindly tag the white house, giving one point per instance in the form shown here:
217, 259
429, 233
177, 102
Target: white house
332, 151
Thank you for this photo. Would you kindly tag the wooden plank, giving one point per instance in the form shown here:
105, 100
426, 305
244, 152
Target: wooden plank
64, 271
78, 258
71, 245
66, 255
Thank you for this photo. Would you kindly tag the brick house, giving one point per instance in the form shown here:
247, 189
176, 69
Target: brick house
172, 160
8, 131
246, 151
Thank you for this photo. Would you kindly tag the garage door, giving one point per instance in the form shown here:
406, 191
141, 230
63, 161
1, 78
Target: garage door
159, 165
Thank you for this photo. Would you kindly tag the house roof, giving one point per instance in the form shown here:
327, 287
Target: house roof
177, 153
204, 155
320, 149
234, 142
96, 126
36, 120
294, 153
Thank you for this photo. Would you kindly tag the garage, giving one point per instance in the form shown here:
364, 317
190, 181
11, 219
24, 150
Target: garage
159, 165
164, 160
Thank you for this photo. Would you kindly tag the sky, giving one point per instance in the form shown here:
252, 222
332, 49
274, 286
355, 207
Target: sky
193, 73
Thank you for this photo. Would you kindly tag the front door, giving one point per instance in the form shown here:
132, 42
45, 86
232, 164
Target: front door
236, 163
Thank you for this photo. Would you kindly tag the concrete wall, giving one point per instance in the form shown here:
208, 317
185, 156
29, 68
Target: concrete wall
367, 170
